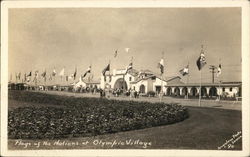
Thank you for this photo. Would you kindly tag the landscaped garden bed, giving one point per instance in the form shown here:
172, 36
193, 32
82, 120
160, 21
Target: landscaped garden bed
85, 116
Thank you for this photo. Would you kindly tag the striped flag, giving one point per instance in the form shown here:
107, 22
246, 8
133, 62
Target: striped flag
184, 71
130, 66
161, 65
219, 70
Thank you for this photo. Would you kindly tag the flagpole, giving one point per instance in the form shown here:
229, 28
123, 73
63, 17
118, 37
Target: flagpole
200, 90
109, 78
161, 93
161, 89
188, 79
219, 82
45, 83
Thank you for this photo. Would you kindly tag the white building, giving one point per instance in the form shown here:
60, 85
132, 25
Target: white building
226, 89
142, 81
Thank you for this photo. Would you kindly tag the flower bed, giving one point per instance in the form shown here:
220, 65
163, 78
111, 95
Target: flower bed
85, 116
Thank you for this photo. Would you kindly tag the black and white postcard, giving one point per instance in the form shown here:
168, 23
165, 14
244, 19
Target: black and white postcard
125, 78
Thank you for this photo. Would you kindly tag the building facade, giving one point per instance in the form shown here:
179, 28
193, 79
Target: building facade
142, 81
225, 89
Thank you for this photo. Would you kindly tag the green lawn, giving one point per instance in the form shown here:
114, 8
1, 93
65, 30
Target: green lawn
206, 128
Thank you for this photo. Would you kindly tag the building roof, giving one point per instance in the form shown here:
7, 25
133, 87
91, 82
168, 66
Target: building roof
166, 79
231, 84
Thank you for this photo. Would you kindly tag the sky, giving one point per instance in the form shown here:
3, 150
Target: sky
51, 38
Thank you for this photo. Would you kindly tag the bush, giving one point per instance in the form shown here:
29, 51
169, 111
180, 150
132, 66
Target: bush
85, 116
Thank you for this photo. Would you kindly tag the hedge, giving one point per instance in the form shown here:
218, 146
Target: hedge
85, 116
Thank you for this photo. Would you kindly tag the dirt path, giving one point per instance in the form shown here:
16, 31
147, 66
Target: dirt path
233, 105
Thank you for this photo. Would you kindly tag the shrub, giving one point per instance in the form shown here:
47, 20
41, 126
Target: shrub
86, 116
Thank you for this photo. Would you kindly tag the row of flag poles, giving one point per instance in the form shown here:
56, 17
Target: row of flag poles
185, 71
201, 62
45, 75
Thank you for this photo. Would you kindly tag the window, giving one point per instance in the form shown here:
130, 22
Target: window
223, 89
231, 89
130, 78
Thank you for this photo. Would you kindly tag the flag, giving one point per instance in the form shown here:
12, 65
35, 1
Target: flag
87, 71
29, 77
71, 76
43, 74
130, 66
29, 74
201, 61
74, 75
219, 70
184, 71
50, 77
25, 77
161, 65
61, 72
81, 78
36, 76
36, 73
127, 49
18, 76
107, 68
54, 72
115, 54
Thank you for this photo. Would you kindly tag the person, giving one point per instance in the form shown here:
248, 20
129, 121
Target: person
101, 94
132, 93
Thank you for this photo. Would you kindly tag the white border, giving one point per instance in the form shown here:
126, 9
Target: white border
124, 4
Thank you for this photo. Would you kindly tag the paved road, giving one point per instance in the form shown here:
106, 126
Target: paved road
234, 105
